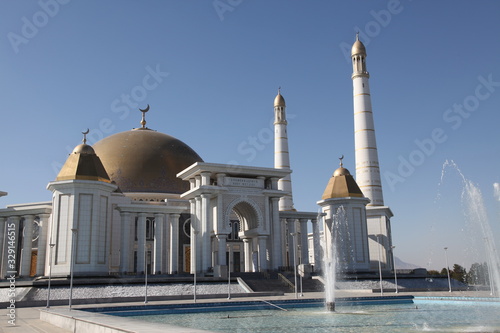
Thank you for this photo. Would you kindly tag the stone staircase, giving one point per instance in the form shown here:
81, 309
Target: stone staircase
278, 282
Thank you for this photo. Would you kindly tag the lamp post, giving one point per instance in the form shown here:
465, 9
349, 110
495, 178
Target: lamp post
72, 267
50, 273
447, 268
295, 263
301, 272
380, 266
145, 273
394, 267
229, 272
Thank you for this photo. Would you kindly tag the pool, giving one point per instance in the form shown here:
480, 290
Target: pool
391, 314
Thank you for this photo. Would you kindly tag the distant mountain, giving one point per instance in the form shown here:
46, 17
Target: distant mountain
400, 264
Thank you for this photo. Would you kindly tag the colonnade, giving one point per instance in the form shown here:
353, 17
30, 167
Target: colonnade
165, 246
16, 231
296, 230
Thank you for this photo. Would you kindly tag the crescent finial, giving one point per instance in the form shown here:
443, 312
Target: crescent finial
85, 136
143, 121
341, 158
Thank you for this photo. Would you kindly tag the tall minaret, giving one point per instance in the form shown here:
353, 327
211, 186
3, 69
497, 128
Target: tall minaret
367, 167
281, 154
378, 216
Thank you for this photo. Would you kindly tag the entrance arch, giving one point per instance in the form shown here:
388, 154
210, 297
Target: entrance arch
248, 214
218, 190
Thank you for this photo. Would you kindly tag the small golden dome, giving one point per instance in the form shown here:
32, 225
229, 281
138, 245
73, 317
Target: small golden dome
358, 47
341, 172
84, 149
279, 100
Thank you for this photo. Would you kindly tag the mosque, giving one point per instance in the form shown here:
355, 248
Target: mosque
143, 201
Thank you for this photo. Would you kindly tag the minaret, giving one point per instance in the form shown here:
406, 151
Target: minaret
367, 167
281, 154
378, 216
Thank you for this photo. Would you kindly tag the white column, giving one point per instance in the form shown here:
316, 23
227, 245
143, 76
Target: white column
262, 253
247, 249
43, 244
194, 234
141, 242
292, 246
158, 254
304, 244
222, 249
174, 243
2, 245
27, 245
284, 236
316, 245
125, 242
206, 237
277, 243
167, 225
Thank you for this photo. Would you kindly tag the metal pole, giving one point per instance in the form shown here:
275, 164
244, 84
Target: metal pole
229, 273
394, 267
194, 264
447, 268
295, 263
50, 273
380, 265
72, 267
145, 273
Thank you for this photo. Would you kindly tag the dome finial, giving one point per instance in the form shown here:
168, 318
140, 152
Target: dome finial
85, 136
357, 35
143, 121
341, 163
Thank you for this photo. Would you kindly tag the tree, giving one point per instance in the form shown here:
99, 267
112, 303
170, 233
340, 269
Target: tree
458, 273
435, 273
478, 274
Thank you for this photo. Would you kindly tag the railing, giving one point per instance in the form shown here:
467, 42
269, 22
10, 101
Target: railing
287, 282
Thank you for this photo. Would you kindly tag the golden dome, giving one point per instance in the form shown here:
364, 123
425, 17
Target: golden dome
83, 149
342, 185
279, 100
358, 47
341, 172
143, 160
83, 164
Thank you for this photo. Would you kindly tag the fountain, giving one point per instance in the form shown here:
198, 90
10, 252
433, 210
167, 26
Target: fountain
332, 261
476, 216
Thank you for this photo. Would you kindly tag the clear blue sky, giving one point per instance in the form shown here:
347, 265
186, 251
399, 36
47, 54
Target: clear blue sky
66, 66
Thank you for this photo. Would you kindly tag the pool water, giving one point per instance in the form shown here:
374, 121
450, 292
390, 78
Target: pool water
427, 316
